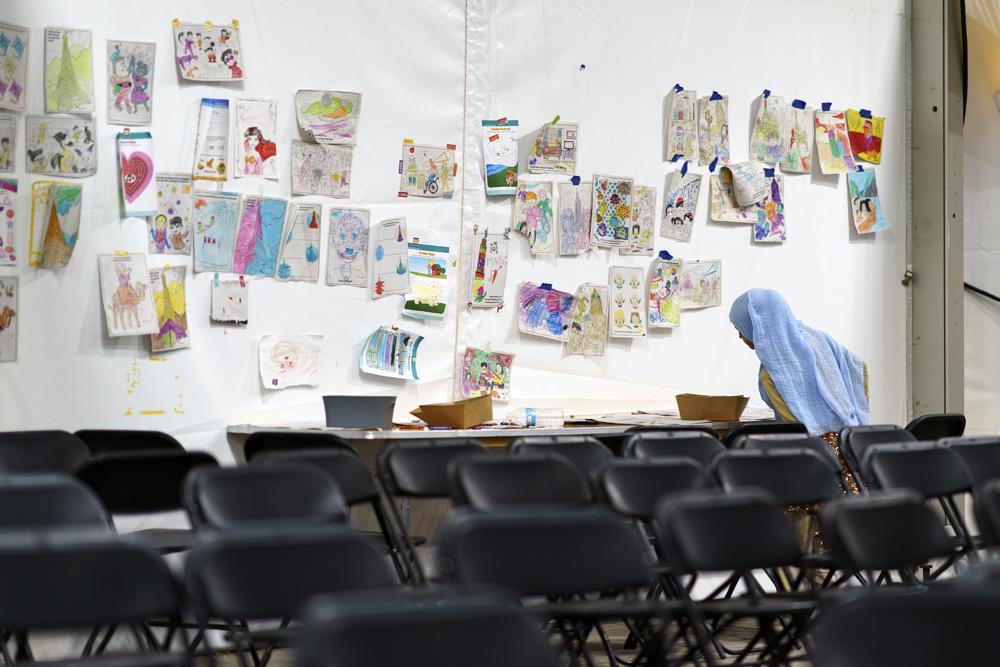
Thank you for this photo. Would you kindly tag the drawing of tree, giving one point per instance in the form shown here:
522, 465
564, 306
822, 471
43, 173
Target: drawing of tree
68, 89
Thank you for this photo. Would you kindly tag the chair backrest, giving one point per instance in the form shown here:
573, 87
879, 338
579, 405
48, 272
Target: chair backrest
768, 441
271, 573
762, 427
702, 447
986, 505
935, 427
981, 456
706, 531
356, 481
632, 487
927, 468
884, 530
585, 453
419, 468
41, 451
792, 476
423, 630
39, 502
115, 441
854, 440
951, 625
269, 441
543, 553
227, 498
142, 482
490, 481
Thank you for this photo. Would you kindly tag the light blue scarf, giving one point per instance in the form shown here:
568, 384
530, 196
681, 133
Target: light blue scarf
821, 381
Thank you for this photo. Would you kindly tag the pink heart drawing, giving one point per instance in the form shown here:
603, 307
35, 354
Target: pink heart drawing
137, 172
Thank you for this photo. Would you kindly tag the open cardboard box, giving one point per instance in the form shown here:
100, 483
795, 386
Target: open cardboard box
713, 408
465, 413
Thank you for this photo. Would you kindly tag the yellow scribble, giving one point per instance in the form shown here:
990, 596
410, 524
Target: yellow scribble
151, 412
134, 377
157, 358
128, 412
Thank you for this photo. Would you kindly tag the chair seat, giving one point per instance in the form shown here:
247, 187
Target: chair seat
609, 608
130, 660
165, 540
769, 606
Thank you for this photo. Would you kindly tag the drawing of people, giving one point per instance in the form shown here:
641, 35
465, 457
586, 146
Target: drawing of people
140, 83
210, 52
229, 60
411, 172
5, 153
864, 214
485, 381
120, 81
189, 42
178, 238
499, 380
257, 150
223, 36
159, 233
350, 242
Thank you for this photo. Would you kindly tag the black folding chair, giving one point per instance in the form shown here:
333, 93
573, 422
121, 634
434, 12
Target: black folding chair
42, 502
41, 451
425, 629
116, 441
935, 427
986, 506
585, 453
761, 428
145, 482
981, 456
616, 441
268, 574
261, 442
855, 440
702, 447
490, 482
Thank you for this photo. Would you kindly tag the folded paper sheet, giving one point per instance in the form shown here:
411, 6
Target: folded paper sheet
486, 374
127, 295
611, 224
319, 169
211, 148
130, 82
489, 274
171, 309
390, 264
290, 360
430, 278
770, 127
713, 130
298, 257
14, 72
749, 182
680, 203
865, 133
700, 284
866, 208
833, 147
574, 206
207, 52
8, 318
589, 328
230, 302
681, 132
627, 286
664, 284
170, 228
427, 171
60, 145
725, 209
135, 168
69, 71
799, 141
347, 247
256, 127
533, 215
258, 236
328, 116
8, 141
544, 311
643, 220
55, 223
215, 218
500, 156
8, 222
554, 150
391, 352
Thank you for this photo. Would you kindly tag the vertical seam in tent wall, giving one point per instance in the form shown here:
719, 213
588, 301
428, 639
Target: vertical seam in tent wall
459, 270
909, 208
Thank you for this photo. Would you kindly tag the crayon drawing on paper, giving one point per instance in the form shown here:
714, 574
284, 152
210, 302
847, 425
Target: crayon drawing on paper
664, 282
489, 275
258, 237
533, 213
207, 52
135, 168
643, 219
866, 208
290, 360
13, 65
60, 145
770, 224
713, 130
682, 125
230, 301
319, 169
214, 221
865, 133
256, 126
544, 311
627, 289
574, 215
770, 127
55, 223
486, 374
391, 352
130, 82
390, 272
170, 228
799, 141
8, 142
328, 116
69, 71
8, 318
427, 171
554, 150
680, 203
612, 211
8, 222
127, 295
833, 147
700, 284
171, 309
589, 327
298, 258
347, 247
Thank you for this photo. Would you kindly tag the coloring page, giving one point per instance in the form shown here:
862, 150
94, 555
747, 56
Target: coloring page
643, 219
500, 156
290, 360
866, 209
13, 66
544, 311
321, 170
170, 228
865, 132
680, 203
127, 296
211, 148
489, 275
681, 133
298, 258
833, 146
130, 82
612, 211
55, 223
533, 210
229, 301
69, 71
390, 274
214, 222
347, 247
429, 282
328, 116
427, 171
60, 145
135, 167
574, 217
8, 141
588, 331
256, 125
713, 130
486, 374
8, 222
391, 352
664, 282
749, 182
207, 52
798, 155
171, 309
258, 236
8, 318
770, 224
554, 150
770, 127
700, 284
628, 301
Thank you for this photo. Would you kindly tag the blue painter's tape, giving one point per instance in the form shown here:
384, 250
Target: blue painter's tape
575, 180
865, 113
684, 168
860, 168
678, 88
827, 106
711, 167
766, 94
768, 172
676, 157
665, 255
715, 96
799, 104
546, 286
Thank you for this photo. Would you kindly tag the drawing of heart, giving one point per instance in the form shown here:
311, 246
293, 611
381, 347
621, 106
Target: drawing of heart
137, 172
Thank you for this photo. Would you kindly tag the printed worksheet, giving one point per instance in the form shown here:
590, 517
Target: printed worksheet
680, 203
8, 222
390, 272
170, 228
127, 296
8, 318
713, 130
69, 71
214, 221
13, 65
60, 145
8, 143
427, 171
298, 258
627, 287
211, 149
208, 52
489, 273
643, 220
533, 213
429, 282
588, 331
135, 167
321, 169
500, 156
681, 132
611, 208
663, 307
555, 148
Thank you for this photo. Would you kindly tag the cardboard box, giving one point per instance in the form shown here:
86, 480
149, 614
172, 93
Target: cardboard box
466, 413
713, 408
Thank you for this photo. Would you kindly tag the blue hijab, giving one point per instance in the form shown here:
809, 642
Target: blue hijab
821, 381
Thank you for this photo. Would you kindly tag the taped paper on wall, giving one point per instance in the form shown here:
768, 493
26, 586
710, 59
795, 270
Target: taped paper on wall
770, 127
544, 311
8, 318
211, 148
391, 352
427, 171
8, 141
713, 130
69, 71
749, 182
13, 66
8, 222
664, 283
833, 147
801, 130
171, 309
319, 169
130, 82
680, 203
256, 128
429, 281
215, 218
347, 247
328, 116
290, 360
390, 272
207, 52
500, 156
486, 374
681, 133
611, 223
60, 145
55, 223
628, 301
258, 236
700, 284
298, 257
866, 208
575, 203
865, 133
554, 150
533, 213
643, 219
170, 228
127, 296
135, 169
230, 302
489, 274
770, 224
589, 328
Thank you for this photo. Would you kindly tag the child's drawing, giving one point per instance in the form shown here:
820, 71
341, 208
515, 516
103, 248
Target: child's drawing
680, 203
429, 282
8, 222
611, 208
214, 221
770, 127
866, 209
700, 284
627, 287
681, 132
749, 182
833, 147
69, 71
258, 237
8, 318
486, 374
328, 116
171, 309
170, 228
347, 247
544, 311
256, 126
55, 223
489, 274
319, 169
290, 360
298, 258
554, 150
13, 65
500, 156
135, 169
211, 148
664, 283
865, 133
770, 224
533, 213
8, 142
230, 301
588, 331
713, 130
574, 217
643, 220
130, 82
207, 52
128, 299
390, 273
60, 145
391, 352
798, 156
427, 171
